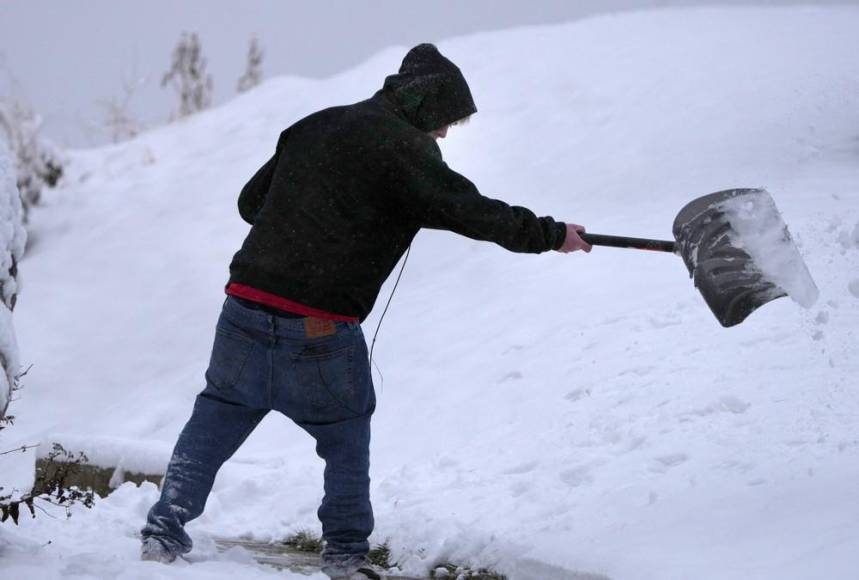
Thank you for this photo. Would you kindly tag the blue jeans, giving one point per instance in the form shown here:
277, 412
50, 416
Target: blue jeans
261, 362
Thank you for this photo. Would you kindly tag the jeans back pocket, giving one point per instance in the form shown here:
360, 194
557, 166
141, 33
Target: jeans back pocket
324, 374
230, 354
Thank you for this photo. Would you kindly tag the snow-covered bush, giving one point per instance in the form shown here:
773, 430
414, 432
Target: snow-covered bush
37, 162
187, 75
53, 489
12, 239
253, 69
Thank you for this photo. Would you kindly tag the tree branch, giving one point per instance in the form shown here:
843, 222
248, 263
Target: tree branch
21, 449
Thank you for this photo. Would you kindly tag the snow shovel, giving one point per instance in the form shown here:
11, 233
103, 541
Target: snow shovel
738, 251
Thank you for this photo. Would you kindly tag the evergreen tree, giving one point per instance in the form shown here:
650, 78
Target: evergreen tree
253, 70
187, 75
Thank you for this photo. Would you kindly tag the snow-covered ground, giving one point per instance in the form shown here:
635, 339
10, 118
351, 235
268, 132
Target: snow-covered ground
538, 414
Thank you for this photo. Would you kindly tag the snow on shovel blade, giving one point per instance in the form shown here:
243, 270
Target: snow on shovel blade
740, 254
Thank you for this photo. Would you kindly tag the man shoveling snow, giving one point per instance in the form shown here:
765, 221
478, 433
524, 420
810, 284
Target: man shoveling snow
332, 212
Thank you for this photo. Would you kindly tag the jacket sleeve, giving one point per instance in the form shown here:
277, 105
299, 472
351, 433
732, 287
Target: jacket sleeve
440, 198
253, 194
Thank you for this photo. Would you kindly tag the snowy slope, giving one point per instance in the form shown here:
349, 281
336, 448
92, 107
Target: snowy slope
538, 414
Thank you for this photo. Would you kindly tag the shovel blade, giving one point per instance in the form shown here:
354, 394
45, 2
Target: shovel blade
719, 261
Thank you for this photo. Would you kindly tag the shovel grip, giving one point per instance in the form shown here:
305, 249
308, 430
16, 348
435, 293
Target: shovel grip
624, 242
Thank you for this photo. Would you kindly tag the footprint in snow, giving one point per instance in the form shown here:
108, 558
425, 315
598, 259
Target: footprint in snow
664, 463
615, 320
511, 376
853, 287
577, 394
521, 468
732, 404
664, 321
725, 404
520, 488
576, 477
638, 371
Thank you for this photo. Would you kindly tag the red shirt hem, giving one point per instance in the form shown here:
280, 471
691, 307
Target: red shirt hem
281, 303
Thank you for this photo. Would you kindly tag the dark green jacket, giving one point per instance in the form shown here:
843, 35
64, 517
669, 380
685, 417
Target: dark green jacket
349, 187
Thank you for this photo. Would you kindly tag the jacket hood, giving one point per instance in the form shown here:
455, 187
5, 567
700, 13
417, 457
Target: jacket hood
430, 89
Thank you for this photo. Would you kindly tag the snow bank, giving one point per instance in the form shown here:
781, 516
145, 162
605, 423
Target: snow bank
758, 229
149, 457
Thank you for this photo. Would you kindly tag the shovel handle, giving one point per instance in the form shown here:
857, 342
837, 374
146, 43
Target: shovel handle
624, 242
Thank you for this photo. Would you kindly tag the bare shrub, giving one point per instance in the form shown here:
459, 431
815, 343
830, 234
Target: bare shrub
53, 490
117, 119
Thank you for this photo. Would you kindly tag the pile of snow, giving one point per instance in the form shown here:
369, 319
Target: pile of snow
148, 457
758, 228
538, 413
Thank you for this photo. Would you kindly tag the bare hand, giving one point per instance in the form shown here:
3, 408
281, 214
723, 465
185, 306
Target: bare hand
573, 241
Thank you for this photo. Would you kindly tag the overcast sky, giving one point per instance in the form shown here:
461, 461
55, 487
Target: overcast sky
63, 56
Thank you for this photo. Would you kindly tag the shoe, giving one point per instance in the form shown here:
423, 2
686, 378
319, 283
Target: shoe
153, 550
360, 574
354, 570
